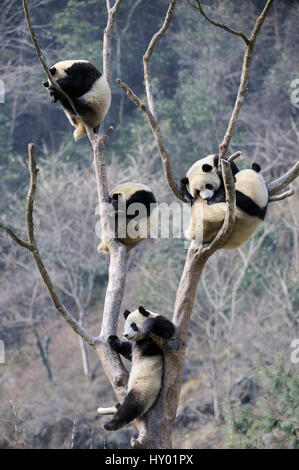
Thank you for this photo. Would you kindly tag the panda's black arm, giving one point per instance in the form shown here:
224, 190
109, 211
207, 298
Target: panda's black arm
121, 347
159, 326
184, 191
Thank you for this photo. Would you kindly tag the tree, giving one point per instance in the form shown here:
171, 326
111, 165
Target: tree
155, 428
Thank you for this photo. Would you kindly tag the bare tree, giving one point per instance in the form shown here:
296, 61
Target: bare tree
155, 428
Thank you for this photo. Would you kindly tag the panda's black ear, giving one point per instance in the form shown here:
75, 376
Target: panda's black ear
206, 167
184, 181
115, 196
143, 312
126, 313
52, 70
256, 167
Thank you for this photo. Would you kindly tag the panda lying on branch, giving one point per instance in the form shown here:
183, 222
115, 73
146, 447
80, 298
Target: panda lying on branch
203, 187
88, 89
145, 378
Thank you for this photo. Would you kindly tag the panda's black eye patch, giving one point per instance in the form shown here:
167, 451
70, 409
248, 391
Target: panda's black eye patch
134, 326
52, 70
206, 167
209, 186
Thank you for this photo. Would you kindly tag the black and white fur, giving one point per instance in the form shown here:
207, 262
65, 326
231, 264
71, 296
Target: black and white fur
132, 202
209, 208
204, 180
88, 89
145, 378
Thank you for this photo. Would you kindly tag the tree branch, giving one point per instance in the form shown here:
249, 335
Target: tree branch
249, 47
107, 38
219, 25
41, 57
247, 59
146, 58
281, 196
284, 180
32, 247
17, 239
149, 110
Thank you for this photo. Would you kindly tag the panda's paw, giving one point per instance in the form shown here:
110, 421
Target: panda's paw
113, 425
113, 340
147, 327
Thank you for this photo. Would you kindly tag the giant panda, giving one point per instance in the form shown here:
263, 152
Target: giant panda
208, 212
204, 179
88, 89
146, 373
135, 214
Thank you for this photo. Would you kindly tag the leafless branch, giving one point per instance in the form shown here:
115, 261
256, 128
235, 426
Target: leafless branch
280, 197
219, 25
234, 156
113, 366
32, 247
229, 221
249, 47
107, 38
41, 57
149, 109
284, 180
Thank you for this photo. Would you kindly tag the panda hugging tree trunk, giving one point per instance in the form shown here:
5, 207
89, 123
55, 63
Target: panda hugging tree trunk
154, 407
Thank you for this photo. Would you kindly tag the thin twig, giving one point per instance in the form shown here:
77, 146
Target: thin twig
223, 147
280, 197
216, 23
149, 109
41, 58
146, 58
284, 180
234, 156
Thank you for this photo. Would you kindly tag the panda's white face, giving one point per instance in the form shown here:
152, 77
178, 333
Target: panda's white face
203, 184
133, 325
203, 177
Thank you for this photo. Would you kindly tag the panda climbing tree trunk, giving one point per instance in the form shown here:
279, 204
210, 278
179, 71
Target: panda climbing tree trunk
155, 428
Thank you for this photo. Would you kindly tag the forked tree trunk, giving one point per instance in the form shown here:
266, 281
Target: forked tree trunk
155, 428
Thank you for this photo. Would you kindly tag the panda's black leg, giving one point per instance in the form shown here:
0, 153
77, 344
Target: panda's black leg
127, 412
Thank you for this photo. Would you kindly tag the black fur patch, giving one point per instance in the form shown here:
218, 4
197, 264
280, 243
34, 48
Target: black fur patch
80, 78
206, 167
147, 347
143, 312
184, 191
234, 168
256, 167
126, 313
127, 412
142, 197
247, 205
162, 327
216, 160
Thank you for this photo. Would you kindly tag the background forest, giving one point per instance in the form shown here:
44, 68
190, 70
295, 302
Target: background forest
248, 299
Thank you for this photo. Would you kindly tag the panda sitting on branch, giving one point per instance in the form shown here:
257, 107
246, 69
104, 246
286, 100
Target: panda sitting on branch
203, 188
